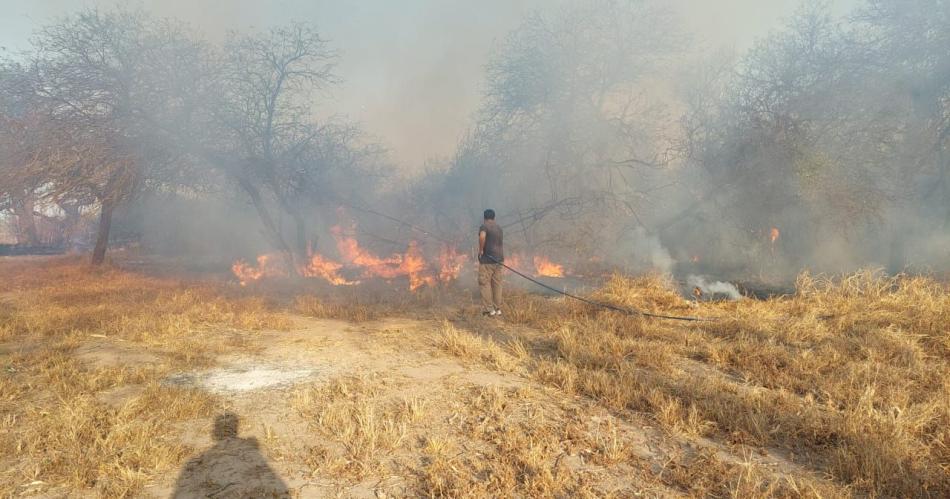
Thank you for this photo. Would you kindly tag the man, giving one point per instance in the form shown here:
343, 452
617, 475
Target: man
490, 257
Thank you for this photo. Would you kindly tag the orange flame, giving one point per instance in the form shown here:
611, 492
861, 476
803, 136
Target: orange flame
773, 234
411, 264
545, 267
450, 263
318, 266
414, 266
246, 272
352, 253
514, 261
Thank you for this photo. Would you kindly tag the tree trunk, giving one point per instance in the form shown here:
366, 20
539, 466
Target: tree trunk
71, 224
102, 239
26, 223
301, 228
271, 228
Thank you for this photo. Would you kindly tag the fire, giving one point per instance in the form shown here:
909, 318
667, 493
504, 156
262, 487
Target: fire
450, 263
356, 260
414, 266
411, 264
246, 272
545, 267
514, 261
318, 266
773, 236
352, 253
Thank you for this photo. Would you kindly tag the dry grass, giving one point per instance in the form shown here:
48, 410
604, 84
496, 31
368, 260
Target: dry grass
840, 390
313, 306
367, 425
506, 443
850, 377
477, 349
57, 432
372, 300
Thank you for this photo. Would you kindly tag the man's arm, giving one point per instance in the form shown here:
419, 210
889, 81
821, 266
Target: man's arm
481, 242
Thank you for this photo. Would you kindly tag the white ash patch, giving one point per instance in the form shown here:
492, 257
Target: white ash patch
245, 378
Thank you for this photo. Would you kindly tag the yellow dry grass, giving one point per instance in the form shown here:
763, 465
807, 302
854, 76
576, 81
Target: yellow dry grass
849, 378
313, 306
841, 390
353, 412
58, 433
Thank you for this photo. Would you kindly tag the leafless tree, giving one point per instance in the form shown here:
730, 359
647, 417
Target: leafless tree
113, 85
18, 192
272, 147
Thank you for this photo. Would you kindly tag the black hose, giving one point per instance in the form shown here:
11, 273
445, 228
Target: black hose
607, 306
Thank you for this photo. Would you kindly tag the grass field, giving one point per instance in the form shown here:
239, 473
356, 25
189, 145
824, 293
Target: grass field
842, 390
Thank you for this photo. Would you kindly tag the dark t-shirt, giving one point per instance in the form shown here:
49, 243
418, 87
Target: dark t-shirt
493, 243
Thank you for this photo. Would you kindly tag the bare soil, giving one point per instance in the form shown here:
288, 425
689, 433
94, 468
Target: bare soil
118, 384
394, 352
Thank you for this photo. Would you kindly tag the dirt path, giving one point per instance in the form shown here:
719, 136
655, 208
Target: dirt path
378, 409
275, 440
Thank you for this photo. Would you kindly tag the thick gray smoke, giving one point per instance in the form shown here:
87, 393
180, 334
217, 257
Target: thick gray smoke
620, 133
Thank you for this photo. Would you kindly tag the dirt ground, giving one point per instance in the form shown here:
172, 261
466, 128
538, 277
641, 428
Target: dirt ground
259, 387
260, 384
116, 383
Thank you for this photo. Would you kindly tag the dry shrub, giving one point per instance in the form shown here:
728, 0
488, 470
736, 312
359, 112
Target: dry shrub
648, 293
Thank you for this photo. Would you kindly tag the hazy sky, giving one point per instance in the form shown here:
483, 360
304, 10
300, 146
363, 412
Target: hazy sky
411, 68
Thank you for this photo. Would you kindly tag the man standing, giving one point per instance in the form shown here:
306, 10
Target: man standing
490, 257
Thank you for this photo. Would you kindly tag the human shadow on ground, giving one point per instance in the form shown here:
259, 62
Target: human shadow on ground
233, 467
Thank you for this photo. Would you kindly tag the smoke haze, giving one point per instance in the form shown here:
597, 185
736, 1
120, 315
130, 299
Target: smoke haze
723, 140
412, 70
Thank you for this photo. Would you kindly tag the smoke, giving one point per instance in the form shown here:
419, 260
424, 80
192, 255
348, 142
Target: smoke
412, 71
578, 120
638, 251
713, 289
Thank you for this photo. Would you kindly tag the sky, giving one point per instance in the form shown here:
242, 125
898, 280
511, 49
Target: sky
411, 70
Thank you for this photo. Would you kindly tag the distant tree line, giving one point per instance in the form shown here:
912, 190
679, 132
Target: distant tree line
601, 126
110, 105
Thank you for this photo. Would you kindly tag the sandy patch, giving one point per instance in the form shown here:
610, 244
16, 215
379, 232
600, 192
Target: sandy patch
245, 378
103, 353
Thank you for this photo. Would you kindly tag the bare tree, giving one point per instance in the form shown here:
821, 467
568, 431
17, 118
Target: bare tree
568, 141
272, 147
112, 84
18, 192
905, 44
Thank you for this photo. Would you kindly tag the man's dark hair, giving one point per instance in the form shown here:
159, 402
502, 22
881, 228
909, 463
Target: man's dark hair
489, 214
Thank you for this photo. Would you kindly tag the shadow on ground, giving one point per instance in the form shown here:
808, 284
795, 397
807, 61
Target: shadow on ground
232, 467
